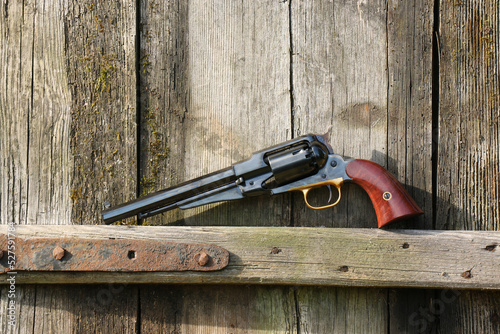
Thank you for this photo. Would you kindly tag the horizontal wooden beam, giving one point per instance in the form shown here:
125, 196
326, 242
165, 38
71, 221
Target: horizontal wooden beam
301, 256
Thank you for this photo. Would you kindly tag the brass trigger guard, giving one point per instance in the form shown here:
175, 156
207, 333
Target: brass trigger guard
334, 182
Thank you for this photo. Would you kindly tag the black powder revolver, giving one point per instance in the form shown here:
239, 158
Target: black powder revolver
302, 164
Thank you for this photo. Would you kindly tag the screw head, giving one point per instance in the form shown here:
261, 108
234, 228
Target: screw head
333, 163
202, 258
58, 253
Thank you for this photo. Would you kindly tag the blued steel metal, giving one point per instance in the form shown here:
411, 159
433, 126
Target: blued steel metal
265, 170
72, 254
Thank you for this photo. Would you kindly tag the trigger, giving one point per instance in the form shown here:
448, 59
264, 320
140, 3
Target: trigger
330, 190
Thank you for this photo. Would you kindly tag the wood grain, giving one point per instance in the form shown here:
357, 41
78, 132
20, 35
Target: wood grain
50, 162
305, 256
352, 308
217, 309
410, 33
468, 182
409, 131
214, 87
239, 98
34, 115
164, 86
236, 68
339, 71
16, 29
95, 309
102, 75
67, 94
390, 200
469, 114
339, 80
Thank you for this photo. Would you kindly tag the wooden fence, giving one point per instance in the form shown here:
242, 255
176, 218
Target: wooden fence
110, 100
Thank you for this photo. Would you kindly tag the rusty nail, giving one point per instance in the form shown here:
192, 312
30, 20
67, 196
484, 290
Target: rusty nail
58, 253
467, 274
490, 248
202, 258
275, 250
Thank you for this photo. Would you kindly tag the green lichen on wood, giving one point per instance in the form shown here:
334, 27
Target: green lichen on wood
157, 152
102, 81
76, 195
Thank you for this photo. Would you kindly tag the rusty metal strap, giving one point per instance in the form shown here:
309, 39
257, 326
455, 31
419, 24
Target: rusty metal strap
53, 254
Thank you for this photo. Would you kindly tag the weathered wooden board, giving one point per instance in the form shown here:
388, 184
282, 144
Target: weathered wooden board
49, 123
365, 68
102, 75
15, 108
409, 128
351, 308
239, 98
339, 68
214, 87
469, 116
34, 115
108, 100
67, 127
339, 80
303, 256
217, 309
468, 165
164, 87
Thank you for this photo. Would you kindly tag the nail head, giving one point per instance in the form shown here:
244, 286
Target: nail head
58, 253
202, 258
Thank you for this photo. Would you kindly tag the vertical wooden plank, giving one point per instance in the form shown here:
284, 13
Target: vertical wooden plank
216, 309
340, 79
214, 88
69, 124
349, 310
239, 98
49, 155
213, 92
471, 312
409, 131
95, 309
100, 51
468, 179
20, 316
16, 31
164, 97
469, 114
101, 56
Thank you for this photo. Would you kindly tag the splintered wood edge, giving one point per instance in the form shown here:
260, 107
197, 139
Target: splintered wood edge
300, 256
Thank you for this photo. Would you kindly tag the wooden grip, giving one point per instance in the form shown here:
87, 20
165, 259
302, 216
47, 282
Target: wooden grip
389, 198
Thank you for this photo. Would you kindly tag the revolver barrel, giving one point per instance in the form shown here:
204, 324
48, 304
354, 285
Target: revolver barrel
169, 198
